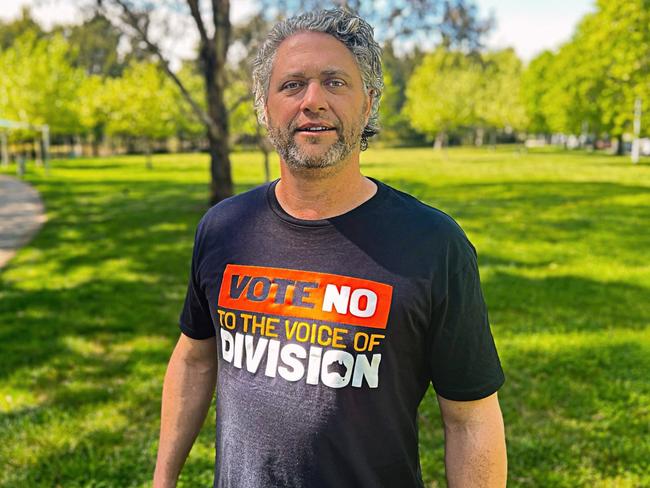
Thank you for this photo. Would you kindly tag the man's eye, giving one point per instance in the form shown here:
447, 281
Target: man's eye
291, 85
335, 83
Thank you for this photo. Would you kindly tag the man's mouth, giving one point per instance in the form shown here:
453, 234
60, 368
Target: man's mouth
315, 128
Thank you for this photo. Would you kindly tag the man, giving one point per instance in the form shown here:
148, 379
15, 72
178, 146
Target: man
323, 304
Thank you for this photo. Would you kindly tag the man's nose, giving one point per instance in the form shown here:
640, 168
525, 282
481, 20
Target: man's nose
315, 98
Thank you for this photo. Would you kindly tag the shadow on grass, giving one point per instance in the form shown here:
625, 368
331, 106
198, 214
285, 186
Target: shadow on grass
523, 305
600, 216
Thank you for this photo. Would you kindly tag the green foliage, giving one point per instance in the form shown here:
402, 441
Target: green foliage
441, 92
94, 111
188, 123
241, 113
96, 41
593, 81
499, 103
395, 125
536, 83
38, 85
88, 312
389, 108
451, 90
142, 102
238, 98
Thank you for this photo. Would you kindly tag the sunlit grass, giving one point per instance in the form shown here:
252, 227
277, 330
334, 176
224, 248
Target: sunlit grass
88, 311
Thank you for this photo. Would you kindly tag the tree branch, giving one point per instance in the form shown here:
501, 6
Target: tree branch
218, 8
239, 101
132, 20
196, 15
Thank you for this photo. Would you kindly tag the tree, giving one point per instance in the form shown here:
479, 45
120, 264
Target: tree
97, 42
395, 125
142, 104
93, 108
442, 94
38, 84
573, 85
619, 36
593, 80
214, 39
499, 102
247, 38
535, 83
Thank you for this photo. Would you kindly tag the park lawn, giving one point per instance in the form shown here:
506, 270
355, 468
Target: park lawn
88, 312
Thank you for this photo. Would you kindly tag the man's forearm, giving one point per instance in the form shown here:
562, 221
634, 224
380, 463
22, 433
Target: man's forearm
475, 448
187, 393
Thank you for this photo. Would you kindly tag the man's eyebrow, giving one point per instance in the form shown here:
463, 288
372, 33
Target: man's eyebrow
335, 72
325, 72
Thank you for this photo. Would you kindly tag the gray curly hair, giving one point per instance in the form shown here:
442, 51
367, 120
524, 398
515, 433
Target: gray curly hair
351, 30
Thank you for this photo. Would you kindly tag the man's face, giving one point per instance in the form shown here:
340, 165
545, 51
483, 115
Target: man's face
316, 107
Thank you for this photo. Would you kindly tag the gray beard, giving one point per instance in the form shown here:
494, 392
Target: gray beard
285, 144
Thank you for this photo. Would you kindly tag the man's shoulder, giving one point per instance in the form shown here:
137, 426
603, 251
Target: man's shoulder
416, 215
235, 210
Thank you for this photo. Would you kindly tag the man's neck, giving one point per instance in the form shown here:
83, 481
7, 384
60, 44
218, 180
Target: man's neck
321, 194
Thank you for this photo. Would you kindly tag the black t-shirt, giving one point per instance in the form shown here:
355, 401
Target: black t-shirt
329, 333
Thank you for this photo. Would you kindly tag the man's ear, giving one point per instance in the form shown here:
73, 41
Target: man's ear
371, 93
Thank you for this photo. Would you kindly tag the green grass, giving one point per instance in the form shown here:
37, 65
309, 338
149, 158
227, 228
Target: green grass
88, 312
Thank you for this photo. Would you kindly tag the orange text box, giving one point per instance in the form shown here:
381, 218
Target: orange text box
306, 294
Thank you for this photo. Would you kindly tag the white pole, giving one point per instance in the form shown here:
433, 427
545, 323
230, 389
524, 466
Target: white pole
5, 149
636, 145
37, 151
46, 148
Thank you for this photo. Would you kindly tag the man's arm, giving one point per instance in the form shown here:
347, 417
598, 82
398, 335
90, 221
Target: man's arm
187, 394
475, 447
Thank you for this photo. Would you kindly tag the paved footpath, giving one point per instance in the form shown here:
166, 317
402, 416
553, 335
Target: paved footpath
21, 215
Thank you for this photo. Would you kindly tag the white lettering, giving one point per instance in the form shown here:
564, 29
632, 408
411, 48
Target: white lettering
239, 343
254, 353
371, 303
227, 349
272, 358
294, 369
313, 369
362, 368
331, 367
337, 298
333, 362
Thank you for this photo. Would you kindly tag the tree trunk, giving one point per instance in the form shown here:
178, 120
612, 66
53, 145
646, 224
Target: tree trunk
620, 148
96, 139
4, 142
147, 149
213, 59
440, 140
37, 152
480, 134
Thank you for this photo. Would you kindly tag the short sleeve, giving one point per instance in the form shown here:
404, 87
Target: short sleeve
462, 355
195, 320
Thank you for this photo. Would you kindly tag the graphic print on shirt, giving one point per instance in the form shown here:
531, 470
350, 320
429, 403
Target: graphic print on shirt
319, 328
